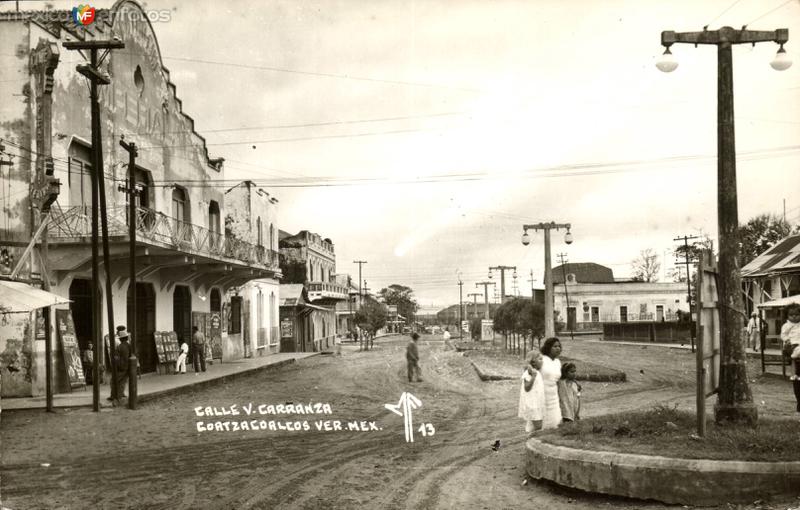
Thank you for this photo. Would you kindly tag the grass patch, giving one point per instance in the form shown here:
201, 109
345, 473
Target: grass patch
588, 371
669, 432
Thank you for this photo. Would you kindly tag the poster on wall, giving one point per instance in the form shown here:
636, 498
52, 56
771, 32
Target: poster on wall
69, 346
215, 334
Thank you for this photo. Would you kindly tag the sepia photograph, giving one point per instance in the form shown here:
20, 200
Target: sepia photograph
400, 254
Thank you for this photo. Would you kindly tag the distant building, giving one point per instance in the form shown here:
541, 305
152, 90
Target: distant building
309, 260
596, 297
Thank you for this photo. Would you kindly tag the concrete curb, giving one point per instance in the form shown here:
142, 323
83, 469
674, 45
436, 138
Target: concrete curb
682, 481
488, 377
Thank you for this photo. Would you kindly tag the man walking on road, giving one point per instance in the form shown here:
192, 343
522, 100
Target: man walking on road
412, 358
198, 350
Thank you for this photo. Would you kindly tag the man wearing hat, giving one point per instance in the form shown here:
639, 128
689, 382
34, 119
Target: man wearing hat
123, 353
754, 331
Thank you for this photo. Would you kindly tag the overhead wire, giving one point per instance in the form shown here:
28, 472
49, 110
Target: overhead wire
768, 12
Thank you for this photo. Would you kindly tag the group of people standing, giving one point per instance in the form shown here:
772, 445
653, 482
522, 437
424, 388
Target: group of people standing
549, 394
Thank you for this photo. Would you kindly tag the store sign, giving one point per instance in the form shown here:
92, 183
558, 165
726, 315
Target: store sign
287, 328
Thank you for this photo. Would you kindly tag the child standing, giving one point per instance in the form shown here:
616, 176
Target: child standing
180, 364
569, 393
790, 334
531, 394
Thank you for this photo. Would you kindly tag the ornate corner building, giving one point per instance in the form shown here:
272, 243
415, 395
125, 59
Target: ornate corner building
196, 246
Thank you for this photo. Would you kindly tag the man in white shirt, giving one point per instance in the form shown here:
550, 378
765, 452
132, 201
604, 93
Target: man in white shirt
754, 331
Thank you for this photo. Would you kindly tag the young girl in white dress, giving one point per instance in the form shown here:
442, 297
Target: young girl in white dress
531, 394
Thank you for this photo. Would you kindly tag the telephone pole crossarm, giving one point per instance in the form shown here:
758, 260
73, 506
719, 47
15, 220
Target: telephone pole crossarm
725, 35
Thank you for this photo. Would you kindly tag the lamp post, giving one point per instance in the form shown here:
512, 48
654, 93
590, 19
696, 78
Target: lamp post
502, 270
734, 399
549, 324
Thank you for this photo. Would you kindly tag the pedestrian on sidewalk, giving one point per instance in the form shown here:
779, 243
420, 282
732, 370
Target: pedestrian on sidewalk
123, 354
790, 334
531, 394
88, 363
412, 358
754, 331
199, 350
180, 363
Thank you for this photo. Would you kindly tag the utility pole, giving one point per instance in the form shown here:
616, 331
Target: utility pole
549, 316
92, 72
360, 263
474, 296
502, 270
460, 308
688, 281
734, 399
349, 305
533, 293
131, 191
563, 261
485, 296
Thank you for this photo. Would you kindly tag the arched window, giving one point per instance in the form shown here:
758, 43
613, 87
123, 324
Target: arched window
259, 232
180, 205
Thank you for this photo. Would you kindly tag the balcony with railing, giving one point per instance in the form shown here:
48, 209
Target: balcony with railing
326, 290
73, 224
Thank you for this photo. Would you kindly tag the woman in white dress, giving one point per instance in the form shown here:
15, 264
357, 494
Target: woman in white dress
551, 373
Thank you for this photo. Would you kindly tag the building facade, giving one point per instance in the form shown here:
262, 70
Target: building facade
186, 260
591, 297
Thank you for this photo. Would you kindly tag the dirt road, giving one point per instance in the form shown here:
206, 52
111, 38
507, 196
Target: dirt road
155, 457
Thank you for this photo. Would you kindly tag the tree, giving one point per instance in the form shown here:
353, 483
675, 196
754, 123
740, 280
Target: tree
646, 266
371, 316
402, 297
520, 316
759, 234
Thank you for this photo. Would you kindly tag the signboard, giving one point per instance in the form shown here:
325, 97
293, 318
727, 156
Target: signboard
708, 350
487, 330
215, 334
167, 346
465, 326
392, 309
70, 349
287, 328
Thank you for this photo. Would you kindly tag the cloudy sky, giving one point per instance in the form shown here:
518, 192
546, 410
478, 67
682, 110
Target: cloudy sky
421, 135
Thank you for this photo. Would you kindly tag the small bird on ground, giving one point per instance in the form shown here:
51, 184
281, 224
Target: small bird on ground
496, 445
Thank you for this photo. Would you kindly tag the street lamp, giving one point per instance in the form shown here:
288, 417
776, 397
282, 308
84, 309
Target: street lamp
734, 398
667, 63
781, 62
549, 315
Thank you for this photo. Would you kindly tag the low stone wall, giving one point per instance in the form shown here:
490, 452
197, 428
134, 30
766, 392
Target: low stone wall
682, 481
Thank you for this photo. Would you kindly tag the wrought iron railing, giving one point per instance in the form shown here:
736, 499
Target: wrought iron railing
75, 222
331, 289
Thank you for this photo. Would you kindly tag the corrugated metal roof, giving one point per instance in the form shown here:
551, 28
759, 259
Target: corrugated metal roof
784, 257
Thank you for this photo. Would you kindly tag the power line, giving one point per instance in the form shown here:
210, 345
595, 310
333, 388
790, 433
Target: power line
768, 12
315, 73
718, 16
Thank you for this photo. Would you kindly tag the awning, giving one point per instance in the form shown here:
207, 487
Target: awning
18, 297
780, 303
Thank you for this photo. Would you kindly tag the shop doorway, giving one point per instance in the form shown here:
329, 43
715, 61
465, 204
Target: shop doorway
145, 325
80, 293
182, 314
